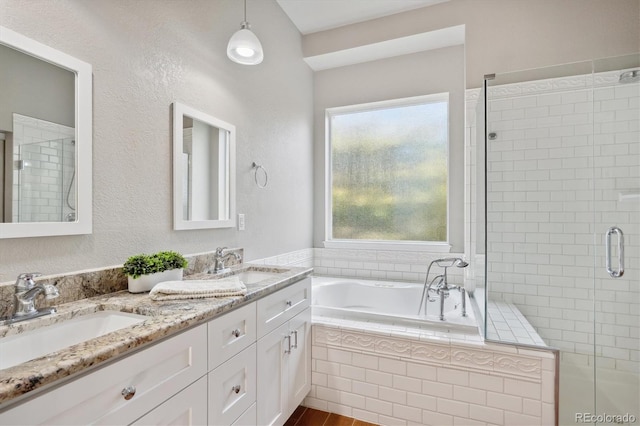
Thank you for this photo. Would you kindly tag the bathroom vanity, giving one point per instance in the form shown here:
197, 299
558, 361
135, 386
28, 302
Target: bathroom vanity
241, 361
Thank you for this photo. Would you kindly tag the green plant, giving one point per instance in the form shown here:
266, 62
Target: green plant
142, 264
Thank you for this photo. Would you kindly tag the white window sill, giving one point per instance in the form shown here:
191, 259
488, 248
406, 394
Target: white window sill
388, 245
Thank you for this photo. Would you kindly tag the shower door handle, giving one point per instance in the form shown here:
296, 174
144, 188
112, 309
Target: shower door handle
607, 245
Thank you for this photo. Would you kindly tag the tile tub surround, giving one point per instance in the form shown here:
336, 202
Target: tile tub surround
165, 318
96, 282
396, 377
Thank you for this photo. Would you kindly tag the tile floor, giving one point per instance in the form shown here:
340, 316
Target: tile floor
304, 416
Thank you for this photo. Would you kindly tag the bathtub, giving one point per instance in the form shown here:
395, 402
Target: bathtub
387, 301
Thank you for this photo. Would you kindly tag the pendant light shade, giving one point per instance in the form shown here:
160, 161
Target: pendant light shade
244, 47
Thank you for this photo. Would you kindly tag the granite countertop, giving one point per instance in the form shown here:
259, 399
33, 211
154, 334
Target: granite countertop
165, 319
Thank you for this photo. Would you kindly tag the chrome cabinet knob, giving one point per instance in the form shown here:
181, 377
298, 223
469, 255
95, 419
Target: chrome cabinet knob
236, 333
236, 389
128, 392
289, 303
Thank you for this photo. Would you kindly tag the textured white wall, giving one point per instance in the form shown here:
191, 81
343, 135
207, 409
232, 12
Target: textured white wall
145, 55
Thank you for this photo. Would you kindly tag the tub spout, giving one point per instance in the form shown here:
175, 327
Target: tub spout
442, 287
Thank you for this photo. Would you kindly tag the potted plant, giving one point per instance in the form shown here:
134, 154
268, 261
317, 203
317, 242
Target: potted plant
144, 271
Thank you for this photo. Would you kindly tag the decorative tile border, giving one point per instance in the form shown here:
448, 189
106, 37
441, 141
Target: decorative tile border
502, 361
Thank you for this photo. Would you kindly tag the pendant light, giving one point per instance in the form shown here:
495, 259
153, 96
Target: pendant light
244, 47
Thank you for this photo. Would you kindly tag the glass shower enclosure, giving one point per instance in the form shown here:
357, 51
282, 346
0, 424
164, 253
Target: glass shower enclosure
561, 193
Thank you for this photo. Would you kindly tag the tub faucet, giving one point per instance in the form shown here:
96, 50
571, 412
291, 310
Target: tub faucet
440, 285
25, 292
221, 258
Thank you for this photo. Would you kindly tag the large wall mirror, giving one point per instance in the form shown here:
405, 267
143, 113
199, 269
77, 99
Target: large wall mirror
203, 170
45, 140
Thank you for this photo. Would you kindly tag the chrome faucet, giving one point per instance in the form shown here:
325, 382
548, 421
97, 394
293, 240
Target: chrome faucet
442, 287
221, 258
25, 293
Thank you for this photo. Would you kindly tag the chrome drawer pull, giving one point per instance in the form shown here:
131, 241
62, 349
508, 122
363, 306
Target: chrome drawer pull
236, 389
289, 303
236, 333
128, 392
288, 351
295, 342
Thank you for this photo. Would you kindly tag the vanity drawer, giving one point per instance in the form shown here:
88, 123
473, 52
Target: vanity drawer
232, 387
157, 373
248, 418
187, 408
279, 307
231, 333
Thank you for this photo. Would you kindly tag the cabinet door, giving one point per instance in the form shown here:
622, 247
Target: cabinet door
299, 359
272, 376
232, 387
189, 407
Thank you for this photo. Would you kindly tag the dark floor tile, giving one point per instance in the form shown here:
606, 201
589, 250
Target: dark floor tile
312, 417
297, 413
338, 420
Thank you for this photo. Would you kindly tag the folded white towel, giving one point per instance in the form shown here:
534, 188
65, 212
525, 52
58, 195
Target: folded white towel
198, 289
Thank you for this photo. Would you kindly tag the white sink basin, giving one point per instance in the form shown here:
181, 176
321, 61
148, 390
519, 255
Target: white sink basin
32, 344
251, 277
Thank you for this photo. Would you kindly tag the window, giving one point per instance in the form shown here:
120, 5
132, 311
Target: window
389, 171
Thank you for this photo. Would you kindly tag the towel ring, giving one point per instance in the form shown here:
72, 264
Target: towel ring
257, 168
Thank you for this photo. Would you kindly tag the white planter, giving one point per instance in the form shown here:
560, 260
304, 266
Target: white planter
146, 282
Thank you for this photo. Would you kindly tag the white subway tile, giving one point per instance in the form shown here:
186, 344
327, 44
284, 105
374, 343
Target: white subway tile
379, 406
517, 419
379, 378
392, 366
504, 401
421, 371
407, 383
522, 388
433, 418
487, 414
452, 407
352, 372
420, 400
470, 395
392, 395
486, 382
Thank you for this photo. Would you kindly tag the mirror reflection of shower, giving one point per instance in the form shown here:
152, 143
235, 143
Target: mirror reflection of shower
70, 161
43, 186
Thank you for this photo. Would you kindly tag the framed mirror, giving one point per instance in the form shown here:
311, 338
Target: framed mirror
204, 169
45, 140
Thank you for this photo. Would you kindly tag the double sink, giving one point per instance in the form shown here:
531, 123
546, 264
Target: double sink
28, 345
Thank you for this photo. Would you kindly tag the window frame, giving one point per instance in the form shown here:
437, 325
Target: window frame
427, 246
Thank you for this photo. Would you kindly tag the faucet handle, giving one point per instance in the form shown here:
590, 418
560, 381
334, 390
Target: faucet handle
29, 275
220, 250
26, 279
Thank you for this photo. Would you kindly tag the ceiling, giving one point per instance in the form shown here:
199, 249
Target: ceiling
318, 15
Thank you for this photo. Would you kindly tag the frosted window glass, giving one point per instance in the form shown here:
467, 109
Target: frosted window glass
389, 173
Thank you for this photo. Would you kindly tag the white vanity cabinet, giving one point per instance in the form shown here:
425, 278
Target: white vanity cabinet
250, 366
125, 390
232, 365
284, 352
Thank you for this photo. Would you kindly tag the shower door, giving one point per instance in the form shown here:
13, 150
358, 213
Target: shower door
562, 170
616, 161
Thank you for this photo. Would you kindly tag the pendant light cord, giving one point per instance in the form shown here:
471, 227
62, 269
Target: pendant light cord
245, 10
